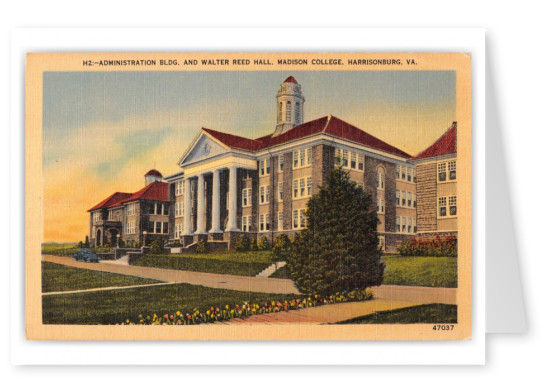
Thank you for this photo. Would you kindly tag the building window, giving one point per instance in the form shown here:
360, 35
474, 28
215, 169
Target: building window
397, 197
302, 157
280, 191
288, 112
403, 198
261, 168
353, 159
246, 223
397, 228
451, 169
302, 187
110, 215
397, 171
414, 200
403, 172
452, 202
410, 199
264, 222
295, 188
247, 197
442, 206
130, 209
410, 225
309, 186
165, 228
297, 113
409, 174
380, 205
295, 158
302, 218
264, 194
151, 227
295, 219
345, 158
97, 216
268, 164
380, 178
441, 172
165, 209
280, 112
280, 163
338, 156
404, 221
280, 221
309, 155
414, 171
360, 162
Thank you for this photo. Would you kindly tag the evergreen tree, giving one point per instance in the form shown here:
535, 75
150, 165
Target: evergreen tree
86, 242
338, 251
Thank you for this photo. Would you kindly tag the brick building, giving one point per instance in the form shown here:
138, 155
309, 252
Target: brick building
229, 185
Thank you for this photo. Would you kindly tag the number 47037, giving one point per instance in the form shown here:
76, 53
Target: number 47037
443, 327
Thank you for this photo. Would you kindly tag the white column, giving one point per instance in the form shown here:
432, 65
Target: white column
215, 202
201, 226
187, 207
232, 218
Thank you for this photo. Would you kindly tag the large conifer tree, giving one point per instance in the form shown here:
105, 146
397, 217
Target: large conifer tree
338, 251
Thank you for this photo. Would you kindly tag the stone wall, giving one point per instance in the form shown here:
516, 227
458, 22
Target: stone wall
426, 197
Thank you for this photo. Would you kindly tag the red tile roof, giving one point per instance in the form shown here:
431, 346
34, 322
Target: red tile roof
233, 141
155, 173
291, 79
110, 201
328, 125
156, 191
445, 145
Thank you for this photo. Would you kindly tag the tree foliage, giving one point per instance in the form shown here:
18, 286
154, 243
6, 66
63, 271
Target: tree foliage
338, 251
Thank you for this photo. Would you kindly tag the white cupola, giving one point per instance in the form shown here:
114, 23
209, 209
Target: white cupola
290, 106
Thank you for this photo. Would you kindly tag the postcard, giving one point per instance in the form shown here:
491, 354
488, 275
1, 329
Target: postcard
248, 196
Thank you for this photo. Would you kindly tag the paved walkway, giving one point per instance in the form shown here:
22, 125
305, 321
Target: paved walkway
212, 280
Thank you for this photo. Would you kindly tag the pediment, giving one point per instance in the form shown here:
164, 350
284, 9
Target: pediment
204, 148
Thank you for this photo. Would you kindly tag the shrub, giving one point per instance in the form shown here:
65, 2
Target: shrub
80, 244
177, 243
263, 244
202, 247
338, 251
157, 247
242, 243
435, 247
281, 249
253, 246
122, 243
86, 242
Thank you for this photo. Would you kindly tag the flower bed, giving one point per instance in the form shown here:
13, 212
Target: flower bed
217, 314
436, 247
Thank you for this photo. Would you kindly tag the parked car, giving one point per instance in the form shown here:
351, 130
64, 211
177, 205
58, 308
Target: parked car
86, 255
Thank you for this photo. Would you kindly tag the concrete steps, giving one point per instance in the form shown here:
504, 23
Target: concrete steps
271, 269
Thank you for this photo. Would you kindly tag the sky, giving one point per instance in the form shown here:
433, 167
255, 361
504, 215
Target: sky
102, 131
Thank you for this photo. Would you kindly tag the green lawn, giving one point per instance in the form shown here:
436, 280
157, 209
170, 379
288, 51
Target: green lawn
59, 278
115, 306
415, 271
236, 263
427, 313
420, 271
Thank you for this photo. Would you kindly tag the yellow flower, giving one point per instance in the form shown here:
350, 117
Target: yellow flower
208, 312
178, 313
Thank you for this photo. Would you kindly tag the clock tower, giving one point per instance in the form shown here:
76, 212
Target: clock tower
290, 106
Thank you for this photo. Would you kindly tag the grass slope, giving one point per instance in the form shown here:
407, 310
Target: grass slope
110, 307
236, 263
428, 313
59, 278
